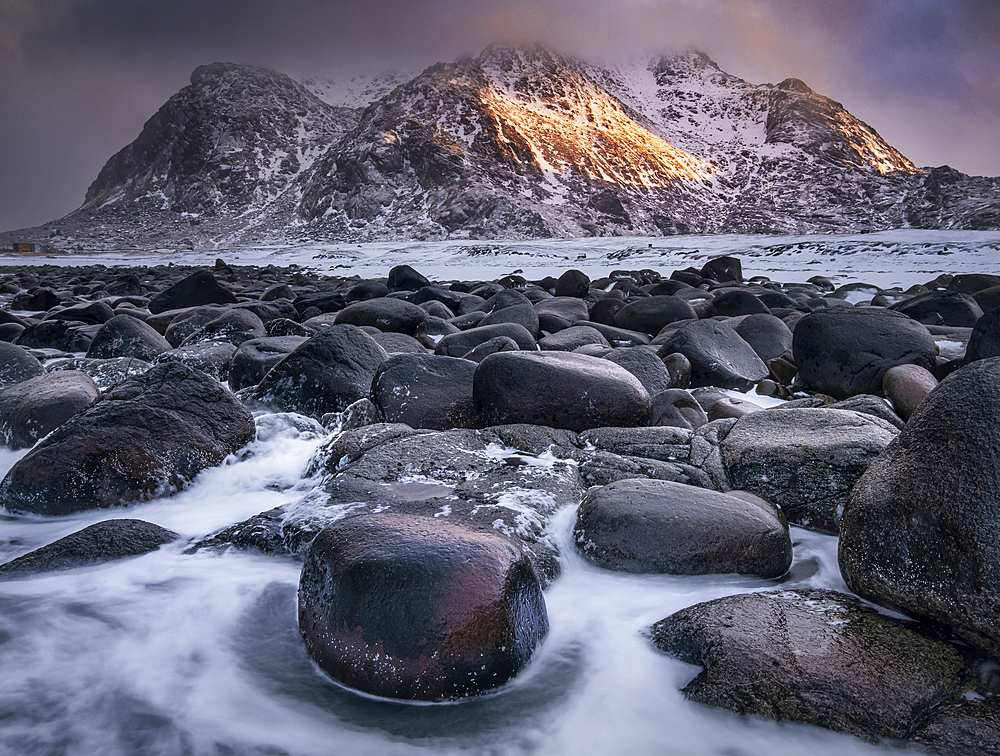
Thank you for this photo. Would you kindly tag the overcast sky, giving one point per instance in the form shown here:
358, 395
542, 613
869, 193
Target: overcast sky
78, 78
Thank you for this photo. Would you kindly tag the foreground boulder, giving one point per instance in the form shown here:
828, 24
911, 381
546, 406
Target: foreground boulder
846, 351
17, 365
147, 437
416, 608
32, 409
804, 460
665, 527
920, 528
325, 374
425, 391
718, 356
102, 542
125, 336
812, 656
199, 288
559, 390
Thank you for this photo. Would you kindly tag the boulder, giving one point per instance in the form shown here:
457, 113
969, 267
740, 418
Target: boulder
906, 386
650, 314
845, 352
384, 313
425, 391
573, 283
32, 409
812, 656
718, 356
767, 335
125, 336
523, 314
405, 278
233, 326
17, 365
324, 374
803, 460
950, 308
657, 526
644, 365
210, 357
970, 728
559, 390
677, 408
200, 288
458, 344
985, 338
919, 531
186, 322
496, 344
416, 608
105, 373
572, 338
736, 302
102, 542
147, 437
253, 358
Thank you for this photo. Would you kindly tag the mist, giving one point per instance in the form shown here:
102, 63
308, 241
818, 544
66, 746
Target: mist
78, 78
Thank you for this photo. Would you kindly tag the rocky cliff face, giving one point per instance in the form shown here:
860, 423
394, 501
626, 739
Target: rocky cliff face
514, 143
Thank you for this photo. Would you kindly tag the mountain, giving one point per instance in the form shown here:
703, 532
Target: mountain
515, 143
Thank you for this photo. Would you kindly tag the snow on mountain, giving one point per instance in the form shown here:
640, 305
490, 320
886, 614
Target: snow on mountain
515, 143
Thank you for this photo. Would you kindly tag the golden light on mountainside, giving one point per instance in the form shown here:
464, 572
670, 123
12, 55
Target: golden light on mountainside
592, 133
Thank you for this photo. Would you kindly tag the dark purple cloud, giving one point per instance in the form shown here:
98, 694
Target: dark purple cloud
83, 75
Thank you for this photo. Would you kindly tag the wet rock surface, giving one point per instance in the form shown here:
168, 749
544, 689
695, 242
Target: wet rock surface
660, 526
918, 529
103, 542
463, 417
815, 657
417, 608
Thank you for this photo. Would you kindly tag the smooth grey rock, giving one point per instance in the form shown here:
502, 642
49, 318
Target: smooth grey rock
920, 530
812, 656
656, 526
804, 460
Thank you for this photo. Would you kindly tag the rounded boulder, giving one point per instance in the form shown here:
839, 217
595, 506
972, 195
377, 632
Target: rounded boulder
658, 526
411, 607
557, 389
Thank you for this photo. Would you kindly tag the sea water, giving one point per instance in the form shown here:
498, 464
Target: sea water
176, 653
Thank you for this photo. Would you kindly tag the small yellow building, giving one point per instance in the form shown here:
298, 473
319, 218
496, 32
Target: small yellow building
23, 247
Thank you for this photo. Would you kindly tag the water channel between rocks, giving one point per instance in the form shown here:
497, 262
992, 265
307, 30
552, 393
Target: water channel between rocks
171, 653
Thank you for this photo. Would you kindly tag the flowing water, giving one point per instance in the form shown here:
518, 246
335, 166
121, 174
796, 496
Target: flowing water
174, 653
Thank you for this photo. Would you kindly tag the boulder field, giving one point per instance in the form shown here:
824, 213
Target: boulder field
461, 416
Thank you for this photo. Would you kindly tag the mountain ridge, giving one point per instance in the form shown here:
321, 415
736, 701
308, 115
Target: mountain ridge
514, 143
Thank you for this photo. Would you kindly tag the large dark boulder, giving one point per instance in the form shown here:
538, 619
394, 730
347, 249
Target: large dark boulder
767, 335
125, 336
17, 365
950, 308
384, 313
146, 438
664, 527
559, 390
210, 357
233, 326
844, 352
458, 344
325, 374
253, 358
804, 460
985, 338
105, 373
102, 542
199, 288
32, 409
812, 656
186, 322
718, 356
650, 314
425, 391
921, 529
418, 608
